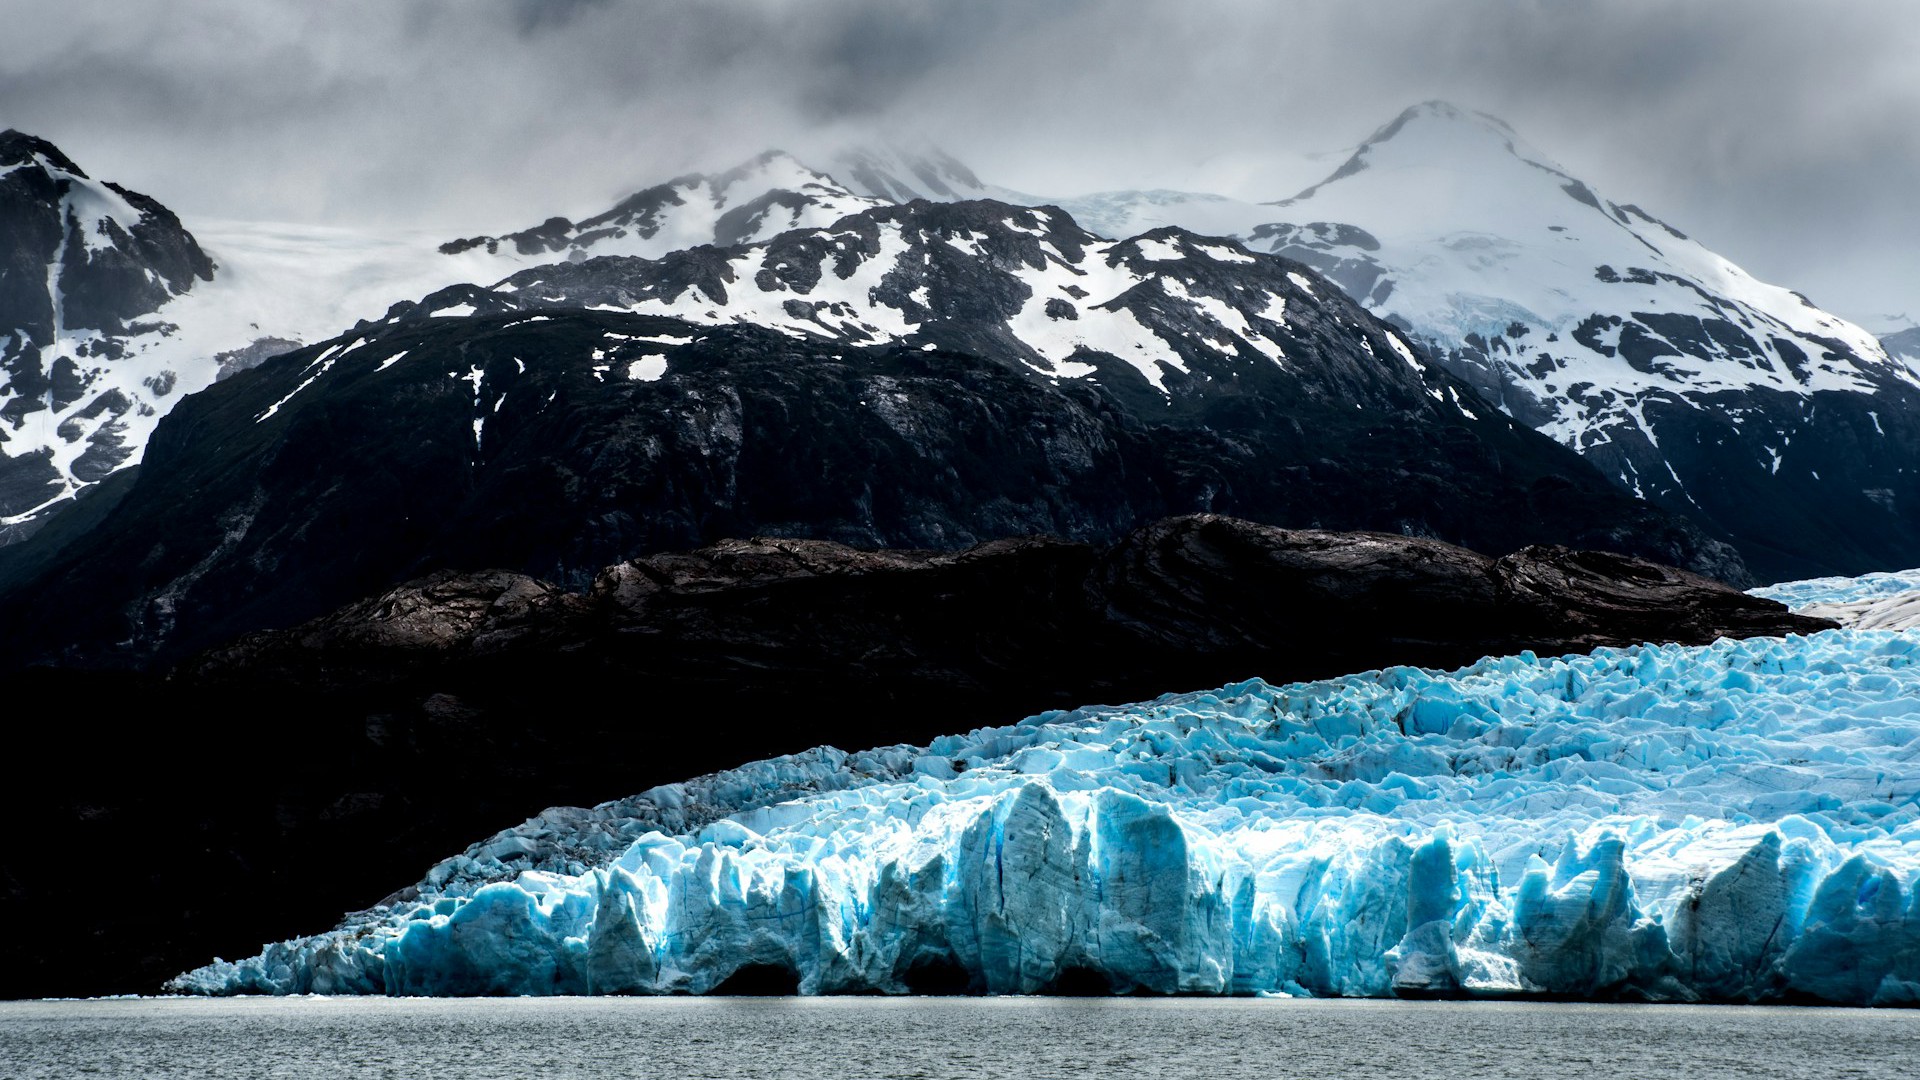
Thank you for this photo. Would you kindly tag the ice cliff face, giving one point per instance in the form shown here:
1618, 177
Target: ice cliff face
1735, 822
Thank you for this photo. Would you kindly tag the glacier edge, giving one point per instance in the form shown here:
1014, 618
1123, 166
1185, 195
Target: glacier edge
1734, 822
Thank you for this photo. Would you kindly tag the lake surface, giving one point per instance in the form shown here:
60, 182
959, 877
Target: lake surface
856, 1038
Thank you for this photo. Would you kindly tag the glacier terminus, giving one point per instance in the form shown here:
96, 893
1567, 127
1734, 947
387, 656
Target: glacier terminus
1737, 822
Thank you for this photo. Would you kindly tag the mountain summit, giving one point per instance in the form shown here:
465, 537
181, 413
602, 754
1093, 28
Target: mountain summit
1691, 383
82, 262
754, 201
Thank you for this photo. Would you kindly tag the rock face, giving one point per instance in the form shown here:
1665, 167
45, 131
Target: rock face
534, 696
536, 436
82, 263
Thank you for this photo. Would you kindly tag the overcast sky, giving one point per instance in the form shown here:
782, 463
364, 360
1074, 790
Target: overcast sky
1784, 134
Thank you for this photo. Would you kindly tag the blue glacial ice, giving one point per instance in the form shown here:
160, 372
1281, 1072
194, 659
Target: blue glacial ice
1735, 822
1870, 602
1841, 590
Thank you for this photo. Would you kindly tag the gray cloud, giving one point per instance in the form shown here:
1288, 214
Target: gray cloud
1778, 131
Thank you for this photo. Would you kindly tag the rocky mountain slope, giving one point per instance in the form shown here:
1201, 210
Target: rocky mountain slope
534, 695
111, 312
923, 375
1687, 381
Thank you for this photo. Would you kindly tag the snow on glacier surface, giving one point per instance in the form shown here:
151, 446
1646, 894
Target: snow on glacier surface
1840, 590
1739, 821
1882, 601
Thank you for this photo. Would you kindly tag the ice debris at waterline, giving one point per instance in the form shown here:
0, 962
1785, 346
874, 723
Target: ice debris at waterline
1735, 822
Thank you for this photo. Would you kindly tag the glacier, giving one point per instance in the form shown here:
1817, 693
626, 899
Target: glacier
1881, 601
1734, 822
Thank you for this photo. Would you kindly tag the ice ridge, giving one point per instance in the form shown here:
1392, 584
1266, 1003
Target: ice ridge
1734, 822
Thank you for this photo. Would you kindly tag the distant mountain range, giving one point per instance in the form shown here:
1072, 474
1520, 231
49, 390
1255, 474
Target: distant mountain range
1513, 293
1779, 426
928, 375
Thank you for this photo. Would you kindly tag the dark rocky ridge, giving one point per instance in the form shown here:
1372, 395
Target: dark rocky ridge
241, 520
438, 710
1187, 601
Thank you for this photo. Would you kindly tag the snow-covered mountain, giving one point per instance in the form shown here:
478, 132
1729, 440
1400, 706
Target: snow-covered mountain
1480, 242
753, 202
83, 267
1157, 312
1788, 429
111, 312
1679, 374
922, 375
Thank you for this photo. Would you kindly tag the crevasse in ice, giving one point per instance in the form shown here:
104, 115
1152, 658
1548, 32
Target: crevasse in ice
1733, 822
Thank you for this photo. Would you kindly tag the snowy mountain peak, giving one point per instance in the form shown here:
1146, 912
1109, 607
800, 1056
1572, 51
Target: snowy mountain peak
751, 202
1471, 166
1436, 115
1599, 324
903, 175
1434, 135
83, 264
772, 170
1502, 236
20, 148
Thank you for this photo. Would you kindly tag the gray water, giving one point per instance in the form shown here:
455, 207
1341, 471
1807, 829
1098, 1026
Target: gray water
858, 1038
